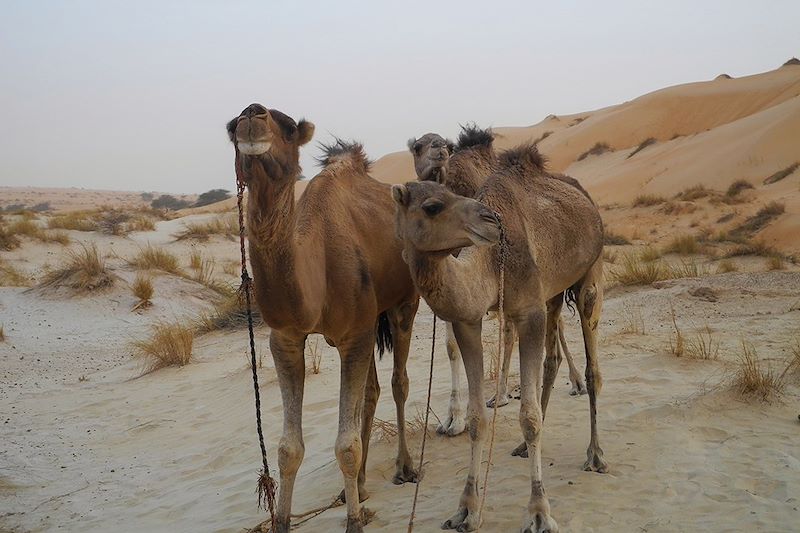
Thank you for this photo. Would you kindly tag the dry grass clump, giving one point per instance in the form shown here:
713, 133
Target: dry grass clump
25, 227
8, 241
632, 322
677, 208
76, 220
757, 248
609, 256
642, 145
650, 253
737, 187
634, 271
227, 226
204, 275
315, 355
113, 222
195, 260
755, 378
778, 176
141, 223
703, 346
143, 289
597, 149
169, 344
10, 276
229, 314
687, 269
614, 239
155, 258
775, 262
763, 216
647, 200
677, 344
694, 192
682, 244
544, 136
725, 266
84, 270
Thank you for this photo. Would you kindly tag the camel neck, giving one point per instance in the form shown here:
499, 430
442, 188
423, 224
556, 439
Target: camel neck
458, 289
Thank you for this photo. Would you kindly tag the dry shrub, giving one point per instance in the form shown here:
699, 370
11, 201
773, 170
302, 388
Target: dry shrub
8, 241
755, 378
764, 216
682, 244
632, 322
169, 344
10, 276
726, 266
778, 176
650, 253
687, 269
385, 431
677, 344
644, 144
155, 258
614, 239
677, 208
694, 192
228, 314
84, 270
76, 220
227, 226
727, 217
141, 223
647, 200
143, 289
315, 355
204, 275
26, 228
775, 262
195, 260
738, 186
113, 222
703, 346
757, 248
634, 271
609, 256
597, 149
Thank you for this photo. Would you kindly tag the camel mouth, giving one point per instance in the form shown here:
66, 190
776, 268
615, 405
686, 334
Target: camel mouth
254, 148
435, 173
484, 236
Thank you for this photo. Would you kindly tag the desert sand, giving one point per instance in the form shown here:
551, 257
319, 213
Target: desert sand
89, 443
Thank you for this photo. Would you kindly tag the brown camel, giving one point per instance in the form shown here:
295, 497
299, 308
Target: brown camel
463, 167
329, 264
554, 241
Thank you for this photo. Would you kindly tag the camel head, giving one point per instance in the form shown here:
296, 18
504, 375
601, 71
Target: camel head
431, 219
271, 137
431, 154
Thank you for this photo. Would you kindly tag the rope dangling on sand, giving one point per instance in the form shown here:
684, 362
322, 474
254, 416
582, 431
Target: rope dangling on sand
424, 432
266, 484
503, 252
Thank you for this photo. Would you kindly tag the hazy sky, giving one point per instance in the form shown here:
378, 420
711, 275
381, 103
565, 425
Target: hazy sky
135, 95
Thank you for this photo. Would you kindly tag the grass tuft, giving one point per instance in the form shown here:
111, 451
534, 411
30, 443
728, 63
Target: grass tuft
76, 220
228, 314
634, 271
694, 192
143, 289
754, 378
763, 216
227, 226
597, 149
84, 270
737, 187
725, 266
154, 258
778, 176
703, 346
647, 200
169, 344
642, 145
614, 239
775, 262
650, 253
10, 276
683, 245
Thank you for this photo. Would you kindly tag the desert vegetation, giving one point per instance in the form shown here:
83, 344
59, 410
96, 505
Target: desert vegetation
695, 192
642, 145
598, 149
647, 200
169, 344
754, 377
737, 187
226, 226
757, 222
683, 245
84, 270
142, 289
778, 176
614, 239
152, 257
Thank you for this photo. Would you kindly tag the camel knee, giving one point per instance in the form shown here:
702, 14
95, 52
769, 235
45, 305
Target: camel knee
530, 420
477, 423
348, 453
594, 379
452, 349
290, 455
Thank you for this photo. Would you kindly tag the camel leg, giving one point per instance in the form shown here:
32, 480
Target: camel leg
575, 378
371, 393
357, 356
466, 517
531, 365
508, 347
401, 320
590, 304
454, 424
287, 353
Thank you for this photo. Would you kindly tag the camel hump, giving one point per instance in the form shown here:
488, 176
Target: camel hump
341, 150
472, 136
525, 155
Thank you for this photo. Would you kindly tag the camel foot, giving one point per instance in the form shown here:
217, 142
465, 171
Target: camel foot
594, 461
452, 426
463, 520
363, 495
539, 523
578, 388
356, 524
500, 403
405, 474
520, 451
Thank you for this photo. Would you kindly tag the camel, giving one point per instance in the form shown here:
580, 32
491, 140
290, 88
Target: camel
329, 264
554, 238
463, 167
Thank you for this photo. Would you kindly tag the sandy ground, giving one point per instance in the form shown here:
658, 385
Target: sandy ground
73, 198
88, 443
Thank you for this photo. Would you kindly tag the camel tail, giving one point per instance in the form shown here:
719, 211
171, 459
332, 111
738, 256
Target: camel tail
383, 334
571, 297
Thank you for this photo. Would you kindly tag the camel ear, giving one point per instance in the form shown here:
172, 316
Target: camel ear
400, 194
231, 127
305, 130
411, 142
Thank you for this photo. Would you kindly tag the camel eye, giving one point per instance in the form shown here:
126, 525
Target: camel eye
417, 149
433, 208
